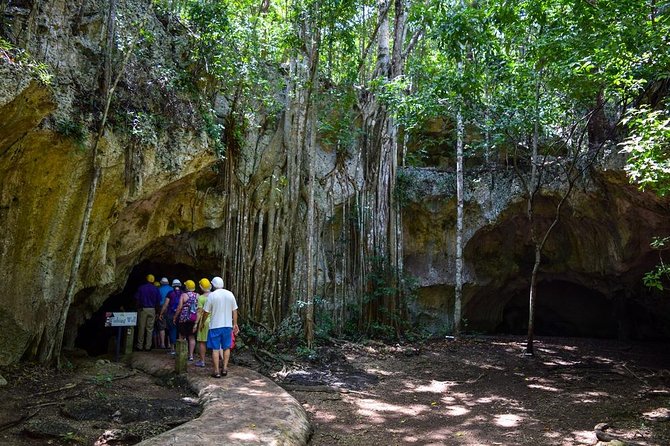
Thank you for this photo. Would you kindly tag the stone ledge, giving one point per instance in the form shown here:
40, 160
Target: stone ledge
243, 408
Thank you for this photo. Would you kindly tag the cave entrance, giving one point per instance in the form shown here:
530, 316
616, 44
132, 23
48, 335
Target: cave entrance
562, 309
97, 339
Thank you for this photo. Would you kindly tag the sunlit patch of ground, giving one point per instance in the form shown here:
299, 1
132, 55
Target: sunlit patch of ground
485, 392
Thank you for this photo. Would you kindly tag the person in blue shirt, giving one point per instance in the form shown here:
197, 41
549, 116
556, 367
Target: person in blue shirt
159, 331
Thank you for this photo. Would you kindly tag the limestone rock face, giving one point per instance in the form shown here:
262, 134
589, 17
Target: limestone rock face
45, 171
44, 179
590, 281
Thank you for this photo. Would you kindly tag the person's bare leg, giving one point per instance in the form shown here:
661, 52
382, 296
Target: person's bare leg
215, 360
161, 338
202, 350
191, 346
226, 357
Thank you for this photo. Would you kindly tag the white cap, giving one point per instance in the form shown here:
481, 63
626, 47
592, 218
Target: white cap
164, 281
176, 282
217, 282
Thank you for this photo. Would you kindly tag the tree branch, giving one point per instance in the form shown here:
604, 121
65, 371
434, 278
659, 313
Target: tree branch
372, 38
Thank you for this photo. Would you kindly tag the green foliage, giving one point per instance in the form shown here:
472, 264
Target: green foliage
324, 326
214, 130
74, 130
288, 334
382, 279
306, 353
386, 282
238, 51
43, 73
509, 66
337, 124
21, 57
385, 332
648, 148
658, 277
5, 47
103, 379
72, 438
403, 189
290, 328
143, 127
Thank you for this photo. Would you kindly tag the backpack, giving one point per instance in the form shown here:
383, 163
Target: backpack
186, 315
193, 308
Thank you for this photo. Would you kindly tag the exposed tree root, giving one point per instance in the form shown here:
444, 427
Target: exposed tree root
60, 389
605, 437
53, 403
17, 421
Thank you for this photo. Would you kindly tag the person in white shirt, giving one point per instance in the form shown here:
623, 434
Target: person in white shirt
221, 307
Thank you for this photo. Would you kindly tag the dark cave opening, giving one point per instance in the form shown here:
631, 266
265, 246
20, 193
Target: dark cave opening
97, 339
562, 309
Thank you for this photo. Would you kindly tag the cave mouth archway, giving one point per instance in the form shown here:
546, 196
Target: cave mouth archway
97, 339
562, 309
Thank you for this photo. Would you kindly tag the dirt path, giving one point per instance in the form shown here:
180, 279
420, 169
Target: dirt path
483, 391
474, 391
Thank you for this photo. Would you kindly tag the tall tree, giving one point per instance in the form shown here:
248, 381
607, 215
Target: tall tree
379, 151
459, 48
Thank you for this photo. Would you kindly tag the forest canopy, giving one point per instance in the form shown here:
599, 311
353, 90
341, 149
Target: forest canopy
596, 64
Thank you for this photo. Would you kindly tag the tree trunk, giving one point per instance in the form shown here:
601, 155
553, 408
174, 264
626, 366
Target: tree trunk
597, 125
458, 291
531, 301
532, 191
309, 147
380, 254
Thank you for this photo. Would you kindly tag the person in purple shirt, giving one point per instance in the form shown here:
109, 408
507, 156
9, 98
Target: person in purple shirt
148, 299
169, 308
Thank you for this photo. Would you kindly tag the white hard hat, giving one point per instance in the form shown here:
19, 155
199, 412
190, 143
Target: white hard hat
217, 282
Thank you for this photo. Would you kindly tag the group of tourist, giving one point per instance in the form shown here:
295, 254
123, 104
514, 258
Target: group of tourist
208, 318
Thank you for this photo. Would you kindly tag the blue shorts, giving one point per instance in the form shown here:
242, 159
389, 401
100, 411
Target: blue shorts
220, 338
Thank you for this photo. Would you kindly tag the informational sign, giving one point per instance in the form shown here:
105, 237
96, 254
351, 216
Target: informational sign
118, 319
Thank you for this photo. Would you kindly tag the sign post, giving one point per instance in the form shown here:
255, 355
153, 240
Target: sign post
120, 319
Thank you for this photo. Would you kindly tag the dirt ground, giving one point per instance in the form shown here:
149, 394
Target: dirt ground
484, 391
471, 391
90, 402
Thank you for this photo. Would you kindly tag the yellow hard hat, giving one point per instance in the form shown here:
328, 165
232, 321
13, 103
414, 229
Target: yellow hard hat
157, 284
150, 278
204, 284
190, 285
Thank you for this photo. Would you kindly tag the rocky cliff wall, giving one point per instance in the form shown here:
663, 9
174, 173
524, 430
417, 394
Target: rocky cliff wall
592, 265
160, 198
46, 131
166, 195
